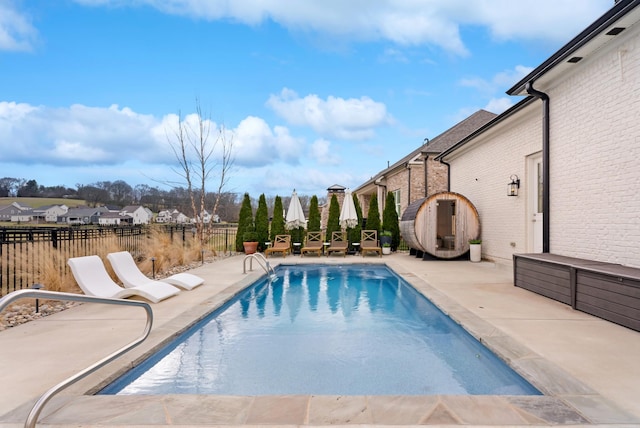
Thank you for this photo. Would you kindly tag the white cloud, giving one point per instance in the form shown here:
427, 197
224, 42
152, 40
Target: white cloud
16, 31
113, 135
322, 153
499, 82
550, 20
255, 143
348, 119
77, 151
393, 55
305, 180
499, 105
402, 22
509, 78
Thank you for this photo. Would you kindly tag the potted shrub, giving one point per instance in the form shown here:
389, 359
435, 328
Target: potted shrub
386, 237
250, 242
386, 248
475, 250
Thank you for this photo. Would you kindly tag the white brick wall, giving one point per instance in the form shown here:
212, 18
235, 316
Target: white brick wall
481, 172
595, 151
594, 171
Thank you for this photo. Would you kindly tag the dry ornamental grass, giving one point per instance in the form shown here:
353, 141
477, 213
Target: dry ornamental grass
49, 268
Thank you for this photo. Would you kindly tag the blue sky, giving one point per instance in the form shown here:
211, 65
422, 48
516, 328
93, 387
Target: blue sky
312, 93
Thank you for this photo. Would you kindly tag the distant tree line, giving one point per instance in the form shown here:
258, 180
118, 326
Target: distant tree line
29, 188
120, 193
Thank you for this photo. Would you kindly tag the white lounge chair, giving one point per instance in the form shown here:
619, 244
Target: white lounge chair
94, 280
127, 271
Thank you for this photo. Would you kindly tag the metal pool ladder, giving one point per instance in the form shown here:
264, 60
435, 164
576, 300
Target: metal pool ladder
40, 294
262, 261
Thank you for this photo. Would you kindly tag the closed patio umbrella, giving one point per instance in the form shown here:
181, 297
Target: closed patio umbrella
295, 215
348, 214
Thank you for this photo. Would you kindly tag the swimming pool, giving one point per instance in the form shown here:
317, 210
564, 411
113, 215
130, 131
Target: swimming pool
325, 330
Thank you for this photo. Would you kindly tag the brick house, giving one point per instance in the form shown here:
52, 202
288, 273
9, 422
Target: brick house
418, 174
573, 145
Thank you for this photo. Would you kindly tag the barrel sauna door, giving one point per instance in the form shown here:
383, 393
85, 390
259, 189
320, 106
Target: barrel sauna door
445, 233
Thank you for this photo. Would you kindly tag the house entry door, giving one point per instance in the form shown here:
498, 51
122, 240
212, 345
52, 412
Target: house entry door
535, 203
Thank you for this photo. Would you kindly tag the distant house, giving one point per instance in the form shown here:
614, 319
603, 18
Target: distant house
23, 216
140, 214
82, 215
164, 216
6, 211
114, 219
113, 208
207, 218
44, 214
172, 216
49, 213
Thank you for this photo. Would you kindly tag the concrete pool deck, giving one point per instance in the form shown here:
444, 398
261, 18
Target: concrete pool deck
587, 367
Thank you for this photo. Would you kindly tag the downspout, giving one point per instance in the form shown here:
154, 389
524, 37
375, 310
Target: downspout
381, 194
408, 184
426, 177
448, 174
545, 164
426, 159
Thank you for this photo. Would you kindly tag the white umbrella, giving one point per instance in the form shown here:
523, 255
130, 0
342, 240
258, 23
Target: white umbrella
348, 214
295, 215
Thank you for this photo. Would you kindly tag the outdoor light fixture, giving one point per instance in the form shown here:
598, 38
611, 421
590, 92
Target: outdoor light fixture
512, 188
37, 287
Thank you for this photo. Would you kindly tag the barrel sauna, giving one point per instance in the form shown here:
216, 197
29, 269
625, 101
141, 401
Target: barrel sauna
440, 225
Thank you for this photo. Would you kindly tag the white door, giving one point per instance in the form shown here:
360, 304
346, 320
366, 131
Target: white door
535, 203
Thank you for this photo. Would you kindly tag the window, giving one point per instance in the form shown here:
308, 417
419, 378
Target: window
396, 197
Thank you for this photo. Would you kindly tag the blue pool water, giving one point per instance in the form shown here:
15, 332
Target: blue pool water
338, 330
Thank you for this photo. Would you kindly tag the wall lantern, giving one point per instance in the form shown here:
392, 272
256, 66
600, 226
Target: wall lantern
512, 188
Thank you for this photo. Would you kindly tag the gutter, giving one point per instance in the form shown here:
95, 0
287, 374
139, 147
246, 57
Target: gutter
545, 163
619, 10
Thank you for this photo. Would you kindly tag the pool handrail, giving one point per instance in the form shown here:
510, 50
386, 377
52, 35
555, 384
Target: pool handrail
32, 418
260, 258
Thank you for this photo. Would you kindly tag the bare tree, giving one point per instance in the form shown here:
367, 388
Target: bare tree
9, 186
121, 192
200, 159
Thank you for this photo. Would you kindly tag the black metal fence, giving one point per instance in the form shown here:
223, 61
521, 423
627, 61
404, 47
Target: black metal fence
39, 254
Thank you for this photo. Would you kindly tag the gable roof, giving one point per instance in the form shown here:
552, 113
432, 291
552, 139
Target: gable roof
622, 15
496, 120
131, 208
440, 143
457, 132
336, 188
15, 205
84, 211
111, 214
